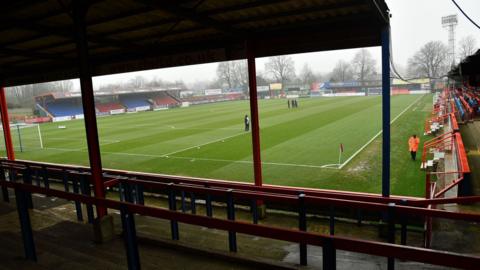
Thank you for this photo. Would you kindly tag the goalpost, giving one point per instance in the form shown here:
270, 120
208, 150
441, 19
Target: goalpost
327, 93
25, 137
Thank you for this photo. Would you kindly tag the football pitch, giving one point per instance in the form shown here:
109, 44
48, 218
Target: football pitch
300, 146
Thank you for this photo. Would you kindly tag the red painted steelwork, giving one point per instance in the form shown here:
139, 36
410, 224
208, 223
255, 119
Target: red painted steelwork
463, 167
436, 201
252, 83
162, 178
6, 125
448, 187
343, 243
290, 199
88, 102
427, 186
454, 121
462, 154
111, 183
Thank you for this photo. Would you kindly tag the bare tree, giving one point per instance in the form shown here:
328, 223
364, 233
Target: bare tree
431, 61
225, 73
262, 79
233, 74
281, 68
241, 74
156, 82
306, 75
62, 86
138, 82
467, 46
363, 66
341, 72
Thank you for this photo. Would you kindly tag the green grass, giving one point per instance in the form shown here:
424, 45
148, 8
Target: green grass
209, 141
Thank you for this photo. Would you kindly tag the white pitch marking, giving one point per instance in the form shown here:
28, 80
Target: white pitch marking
203, 144
77, 139
331, 166
195, 159
169, 155
64, 149
376, 135
250, 162
180, 128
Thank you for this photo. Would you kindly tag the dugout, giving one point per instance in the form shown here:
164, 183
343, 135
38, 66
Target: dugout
56, 40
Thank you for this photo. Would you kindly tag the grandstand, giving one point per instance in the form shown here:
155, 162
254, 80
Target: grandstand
59, 106
192, 222
109, 108
67, 106
135, 103
164, 102
371, 88
203, 99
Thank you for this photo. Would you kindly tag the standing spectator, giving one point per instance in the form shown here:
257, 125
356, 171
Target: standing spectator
247, 123
288, 103
413, 143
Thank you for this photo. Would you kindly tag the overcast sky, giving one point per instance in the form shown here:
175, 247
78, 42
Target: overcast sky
413, 23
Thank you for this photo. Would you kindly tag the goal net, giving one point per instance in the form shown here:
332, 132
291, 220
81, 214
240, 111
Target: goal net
25, 137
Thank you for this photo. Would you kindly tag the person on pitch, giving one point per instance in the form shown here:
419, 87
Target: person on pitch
247, 123
413, 143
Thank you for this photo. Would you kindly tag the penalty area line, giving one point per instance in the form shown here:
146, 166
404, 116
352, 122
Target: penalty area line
378, 134
203, 144
248, 162
192, 159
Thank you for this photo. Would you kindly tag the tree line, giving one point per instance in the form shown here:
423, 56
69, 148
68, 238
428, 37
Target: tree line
430, 61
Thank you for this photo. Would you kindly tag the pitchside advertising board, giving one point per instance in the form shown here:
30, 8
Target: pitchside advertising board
117, 111
61, 118
35, 120
276, 86
210, 92
142, 108
263, 88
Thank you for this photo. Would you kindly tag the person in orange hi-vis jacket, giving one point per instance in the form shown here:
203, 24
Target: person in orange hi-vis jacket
413, 143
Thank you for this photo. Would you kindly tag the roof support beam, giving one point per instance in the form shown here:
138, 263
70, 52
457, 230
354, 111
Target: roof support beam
45, 30
96, 38
88, 103
252, 83
29, 54
293, 12
386, 111
191, 15
6, 125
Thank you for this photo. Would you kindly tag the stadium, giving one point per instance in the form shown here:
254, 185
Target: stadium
194, 149
182, 177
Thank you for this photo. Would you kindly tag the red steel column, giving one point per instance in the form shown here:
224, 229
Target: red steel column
79, 13
6, 125
252, 83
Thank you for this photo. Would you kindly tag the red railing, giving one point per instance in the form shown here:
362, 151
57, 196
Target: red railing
452, 122
428, 221
396, 213
423, 255
163, 178
446, 142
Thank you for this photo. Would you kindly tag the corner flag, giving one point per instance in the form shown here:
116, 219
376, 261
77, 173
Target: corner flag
340, 155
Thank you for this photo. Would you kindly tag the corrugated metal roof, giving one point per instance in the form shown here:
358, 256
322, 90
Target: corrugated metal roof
37, 41
467, 70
